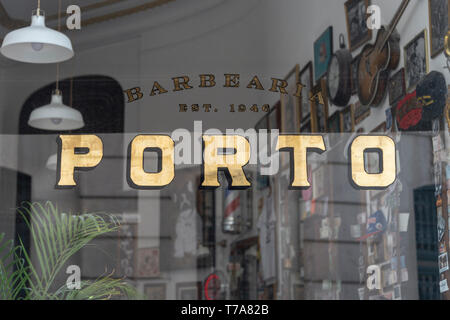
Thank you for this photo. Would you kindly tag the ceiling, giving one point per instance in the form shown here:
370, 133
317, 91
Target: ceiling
15, 14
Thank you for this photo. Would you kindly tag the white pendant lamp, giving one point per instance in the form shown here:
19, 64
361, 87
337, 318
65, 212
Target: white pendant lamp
37, 43
56, 116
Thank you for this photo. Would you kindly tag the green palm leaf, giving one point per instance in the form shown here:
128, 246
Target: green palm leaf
55, 237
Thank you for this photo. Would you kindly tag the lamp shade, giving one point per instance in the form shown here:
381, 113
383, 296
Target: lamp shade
37, 43
56, 116
52, 162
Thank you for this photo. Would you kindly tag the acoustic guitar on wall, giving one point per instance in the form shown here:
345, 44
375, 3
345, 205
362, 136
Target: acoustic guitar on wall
377, 60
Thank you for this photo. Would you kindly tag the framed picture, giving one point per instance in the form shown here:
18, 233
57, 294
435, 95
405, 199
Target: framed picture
354, 74
155, 291
290, 104
147, 262
334, 128
323, 49
189, 291
320, 107
361, 112
348, 119
274, 117
438, 16
306, 79
356, 16
443, 262
416, 59
397, 87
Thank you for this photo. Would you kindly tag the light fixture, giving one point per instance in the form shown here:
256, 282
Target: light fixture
37, 43
56, 116
52, 162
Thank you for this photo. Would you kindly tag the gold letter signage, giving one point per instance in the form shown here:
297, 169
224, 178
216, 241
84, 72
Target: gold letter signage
217, 158
137, 177
81, 152
385, 147
228, 153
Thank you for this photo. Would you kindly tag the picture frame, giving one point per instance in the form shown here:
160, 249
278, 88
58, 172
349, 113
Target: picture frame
354, 74
189, 291
361, 112
306, 79
147, 262
323, 50
334, 128
416, 59
438, 19
348, 120
443, 262
290, 104
155, 291
397, 87
320, 108
356, 19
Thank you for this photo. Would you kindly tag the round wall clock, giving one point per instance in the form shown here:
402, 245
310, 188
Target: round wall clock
339, 84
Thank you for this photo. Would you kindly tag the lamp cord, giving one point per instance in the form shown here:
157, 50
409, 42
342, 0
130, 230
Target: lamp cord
71, 89
59, 29
39, 8
57, 77
59, 15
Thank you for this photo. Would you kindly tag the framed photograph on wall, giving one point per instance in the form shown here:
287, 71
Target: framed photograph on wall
348, 119
334, 128
155, 291
416, 59
189, 291
306, 79
320, 108
147, 263
290, 104
397, 87
356, 17
323, 49
438, 16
